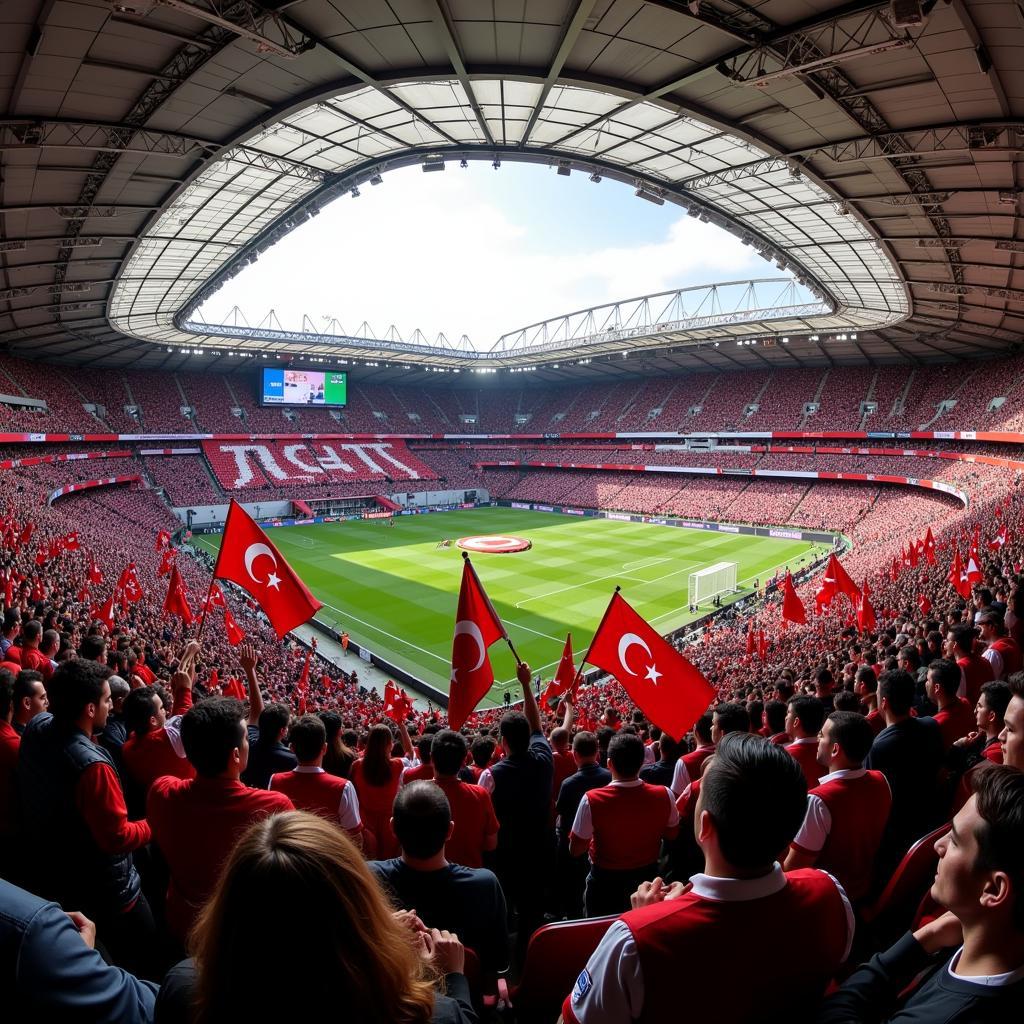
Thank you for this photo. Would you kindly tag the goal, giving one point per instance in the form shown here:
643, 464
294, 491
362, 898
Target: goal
708, 583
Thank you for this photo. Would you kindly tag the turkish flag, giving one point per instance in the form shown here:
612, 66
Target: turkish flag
894, 572
162, 538
958, 578
166, 561
214, 681
95, 576
923, 604
912, 554
176, 602
234, 688
660, 681
837, 581
71, 541
128, 587
106, 613
972, 569
42, 557
26, 534
751, 639
792, 607
233, 630
865, 614
397, 704
477, 626
565, 674
999, 539
762, 645
929, 547
249, 559
216, 596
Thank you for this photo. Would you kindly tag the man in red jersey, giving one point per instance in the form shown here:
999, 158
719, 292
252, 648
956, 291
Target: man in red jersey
975, 670
196, 822
475, 825
622, 825
1001, 652
424, 770
690, 939
847, 811
310, 788
803, 722
729, 717
153, 747
954, 717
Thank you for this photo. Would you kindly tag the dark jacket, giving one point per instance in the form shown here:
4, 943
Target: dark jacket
68, 865
47, 973
266, 759
871, 995
174, 1006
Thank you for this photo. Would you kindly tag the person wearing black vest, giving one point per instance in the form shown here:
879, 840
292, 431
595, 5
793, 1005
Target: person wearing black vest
520, 788
78, 835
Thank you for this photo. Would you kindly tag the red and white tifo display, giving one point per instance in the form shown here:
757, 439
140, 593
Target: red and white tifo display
494, 544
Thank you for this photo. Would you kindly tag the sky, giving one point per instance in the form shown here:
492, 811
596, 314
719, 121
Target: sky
479, 252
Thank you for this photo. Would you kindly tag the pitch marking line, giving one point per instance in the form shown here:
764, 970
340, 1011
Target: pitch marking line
643, 563
384, 632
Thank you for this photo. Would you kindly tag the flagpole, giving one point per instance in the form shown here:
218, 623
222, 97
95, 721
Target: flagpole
213, 577
579, 671
490, 607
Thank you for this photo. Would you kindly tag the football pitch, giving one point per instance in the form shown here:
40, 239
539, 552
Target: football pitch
395, 591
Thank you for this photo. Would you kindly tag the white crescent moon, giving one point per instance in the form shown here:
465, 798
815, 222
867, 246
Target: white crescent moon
252, 552
630, 640
473, 630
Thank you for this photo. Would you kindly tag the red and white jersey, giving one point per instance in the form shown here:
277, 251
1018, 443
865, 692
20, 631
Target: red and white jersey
846, 816
680, 777
690, 947
805, 751
625, 823
311, 789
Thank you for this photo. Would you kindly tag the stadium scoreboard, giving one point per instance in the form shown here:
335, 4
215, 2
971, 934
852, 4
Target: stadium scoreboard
323, 389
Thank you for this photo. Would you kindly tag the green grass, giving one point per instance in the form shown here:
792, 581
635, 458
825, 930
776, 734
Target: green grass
396, 592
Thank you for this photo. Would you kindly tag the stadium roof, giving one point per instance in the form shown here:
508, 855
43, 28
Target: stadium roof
150, 146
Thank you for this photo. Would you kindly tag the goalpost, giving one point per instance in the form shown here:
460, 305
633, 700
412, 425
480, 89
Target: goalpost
708, 583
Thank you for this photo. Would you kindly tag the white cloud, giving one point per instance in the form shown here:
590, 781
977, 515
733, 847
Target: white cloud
435, 255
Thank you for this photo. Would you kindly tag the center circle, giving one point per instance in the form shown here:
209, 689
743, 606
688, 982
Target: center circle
494, 544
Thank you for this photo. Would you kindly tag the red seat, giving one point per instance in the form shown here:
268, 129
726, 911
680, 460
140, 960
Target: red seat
556, 955
894, 911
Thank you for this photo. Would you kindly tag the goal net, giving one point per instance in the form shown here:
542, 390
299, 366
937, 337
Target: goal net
708, 583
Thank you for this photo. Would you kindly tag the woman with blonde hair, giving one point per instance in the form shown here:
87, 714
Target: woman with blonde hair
299, 929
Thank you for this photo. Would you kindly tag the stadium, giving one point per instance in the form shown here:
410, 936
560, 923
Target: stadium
795, 489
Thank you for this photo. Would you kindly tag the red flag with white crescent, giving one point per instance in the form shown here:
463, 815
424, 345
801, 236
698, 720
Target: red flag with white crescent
792, 607
661, 682
477, 626
564, 675
248, 558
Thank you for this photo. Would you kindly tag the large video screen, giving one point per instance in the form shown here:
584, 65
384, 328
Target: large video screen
304, 387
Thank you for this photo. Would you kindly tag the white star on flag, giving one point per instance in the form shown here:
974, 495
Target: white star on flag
653, 674
273, 580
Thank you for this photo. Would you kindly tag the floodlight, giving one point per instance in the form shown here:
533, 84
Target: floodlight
463, 163
496, 162
595, 178
433, 163
564, 168
375, 179
651, 197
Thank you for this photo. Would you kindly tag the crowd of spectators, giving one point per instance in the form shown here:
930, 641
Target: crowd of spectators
160, 837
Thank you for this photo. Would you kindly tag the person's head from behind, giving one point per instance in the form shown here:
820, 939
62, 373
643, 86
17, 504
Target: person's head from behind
482, 751
143, 711
31, 633
775, 717
753, 798
352, 953
12, 623
422, 820
1011, 739
119, 690
93, 648
804, 716
79, 695
515, 733
308, 740
215, 738
669, 749
30, 697
980, 876
449, 753
896, 693
844, 741
625, 757
847, 700
865, 682
585, 748
727, 718
273, 722
559, 739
